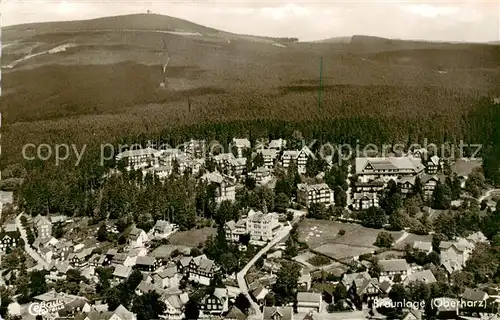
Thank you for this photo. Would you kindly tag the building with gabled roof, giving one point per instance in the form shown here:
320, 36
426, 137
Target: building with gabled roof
422, 246
201, 269
137, 158
365, 200
9, 240
167, 278
309, 301
43, 227
215, 303
307, 194
234, 230
413, 314
305, 279
388, 168
269, 156
137, 238
235, 314
299, 156
367, 288
277, 144
240, 145
122, 272
391, 268
162, 229
474, 295
226, 186
477, 237
80, 259
425, 276
261, 174
147, 263
277, 313
263, 226
195, 148
429, 183
175, 305
433, 165
456, 253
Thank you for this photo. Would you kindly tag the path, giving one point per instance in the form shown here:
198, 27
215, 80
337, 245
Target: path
487, 194
241, 275
41, 263
403, 236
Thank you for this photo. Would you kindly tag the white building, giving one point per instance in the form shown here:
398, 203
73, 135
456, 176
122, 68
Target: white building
195, 148
309, 302
423, 246
161, 229
365, 200
277, 144
135, 159
169, 157
175, 305
168, 278
261, 175
269, 156
300, 158
391, 268
240, 145
262, 226
229, 164
161, 172
455, 253
137, 238
315, 193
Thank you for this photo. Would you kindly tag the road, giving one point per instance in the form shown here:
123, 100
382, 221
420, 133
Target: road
241, 275
487, 194
41, 263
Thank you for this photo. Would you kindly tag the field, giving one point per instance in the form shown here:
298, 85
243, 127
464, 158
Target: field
191, 238
107, 85
389, 255
343, 252
410, 239
322, 236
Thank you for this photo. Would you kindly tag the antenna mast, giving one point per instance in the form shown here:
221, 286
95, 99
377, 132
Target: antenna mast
164, 73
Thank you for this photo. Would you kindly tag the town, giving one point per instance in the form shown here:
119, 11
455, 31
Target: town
268, 231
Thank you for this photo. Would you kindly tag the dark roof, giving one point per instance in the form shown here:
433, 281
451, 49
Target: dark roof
235, 313
385, 286
416, 313
474, 294
145, 261
284, 312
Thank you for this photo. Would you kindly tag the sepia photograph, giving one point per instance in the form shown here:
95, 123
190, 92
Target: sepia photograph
249, 160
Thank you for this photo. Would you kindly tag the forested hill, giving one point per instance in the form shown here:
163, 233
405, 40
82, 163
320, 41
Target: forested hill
98, 81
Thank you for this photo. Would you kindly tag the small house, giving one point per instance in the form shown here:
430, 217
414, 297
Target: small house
308, 301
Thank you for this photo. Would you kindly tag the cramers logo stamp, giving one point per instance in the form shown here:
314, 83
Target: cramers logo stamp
44, 308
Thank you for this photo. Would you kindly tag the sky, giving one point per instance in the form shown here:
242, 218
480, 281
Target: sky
472, 21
